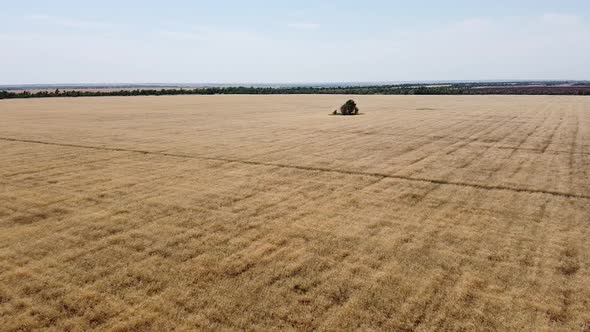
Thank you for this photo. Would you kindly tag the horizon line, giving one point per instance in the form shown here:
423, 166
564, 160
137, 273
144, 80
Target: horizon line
238, 84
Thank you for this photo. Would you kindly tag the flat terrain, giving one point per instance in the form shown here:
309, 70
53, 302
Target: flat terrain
265, 212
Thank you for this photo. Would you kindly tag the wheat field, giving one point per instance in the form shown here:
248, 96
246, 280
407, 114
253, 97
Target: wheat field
266, 213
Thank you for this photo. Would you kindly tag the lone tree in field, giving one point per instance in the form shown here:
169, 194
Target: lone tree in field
349, 108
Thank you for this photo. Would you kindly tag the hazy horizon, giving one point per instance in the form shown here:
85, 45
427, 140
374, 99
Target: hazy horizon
263, 84
230, 42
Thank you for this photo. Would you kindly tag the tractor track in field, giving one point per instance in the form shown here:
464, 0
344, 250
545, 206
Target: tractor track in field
309, 168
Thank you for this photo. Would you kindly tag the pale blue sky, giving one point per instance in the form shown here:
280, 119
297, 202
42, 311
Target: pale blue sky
292, 41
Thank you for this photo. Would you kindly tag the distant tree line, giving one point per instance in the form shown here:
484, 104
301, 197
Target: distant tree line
548, 88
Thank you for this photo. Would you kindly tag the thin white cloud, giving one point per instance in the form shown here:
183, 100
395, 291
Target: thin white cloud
67, 22
304, 26
215, 34
472, 24
561, 18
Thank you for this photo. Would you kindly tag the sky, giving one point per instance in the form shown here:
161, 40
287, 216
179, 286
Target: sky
223, 41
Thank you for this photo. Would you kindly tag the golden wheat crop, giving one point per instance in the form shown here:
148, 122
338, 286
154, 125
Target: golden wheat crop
266, 213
